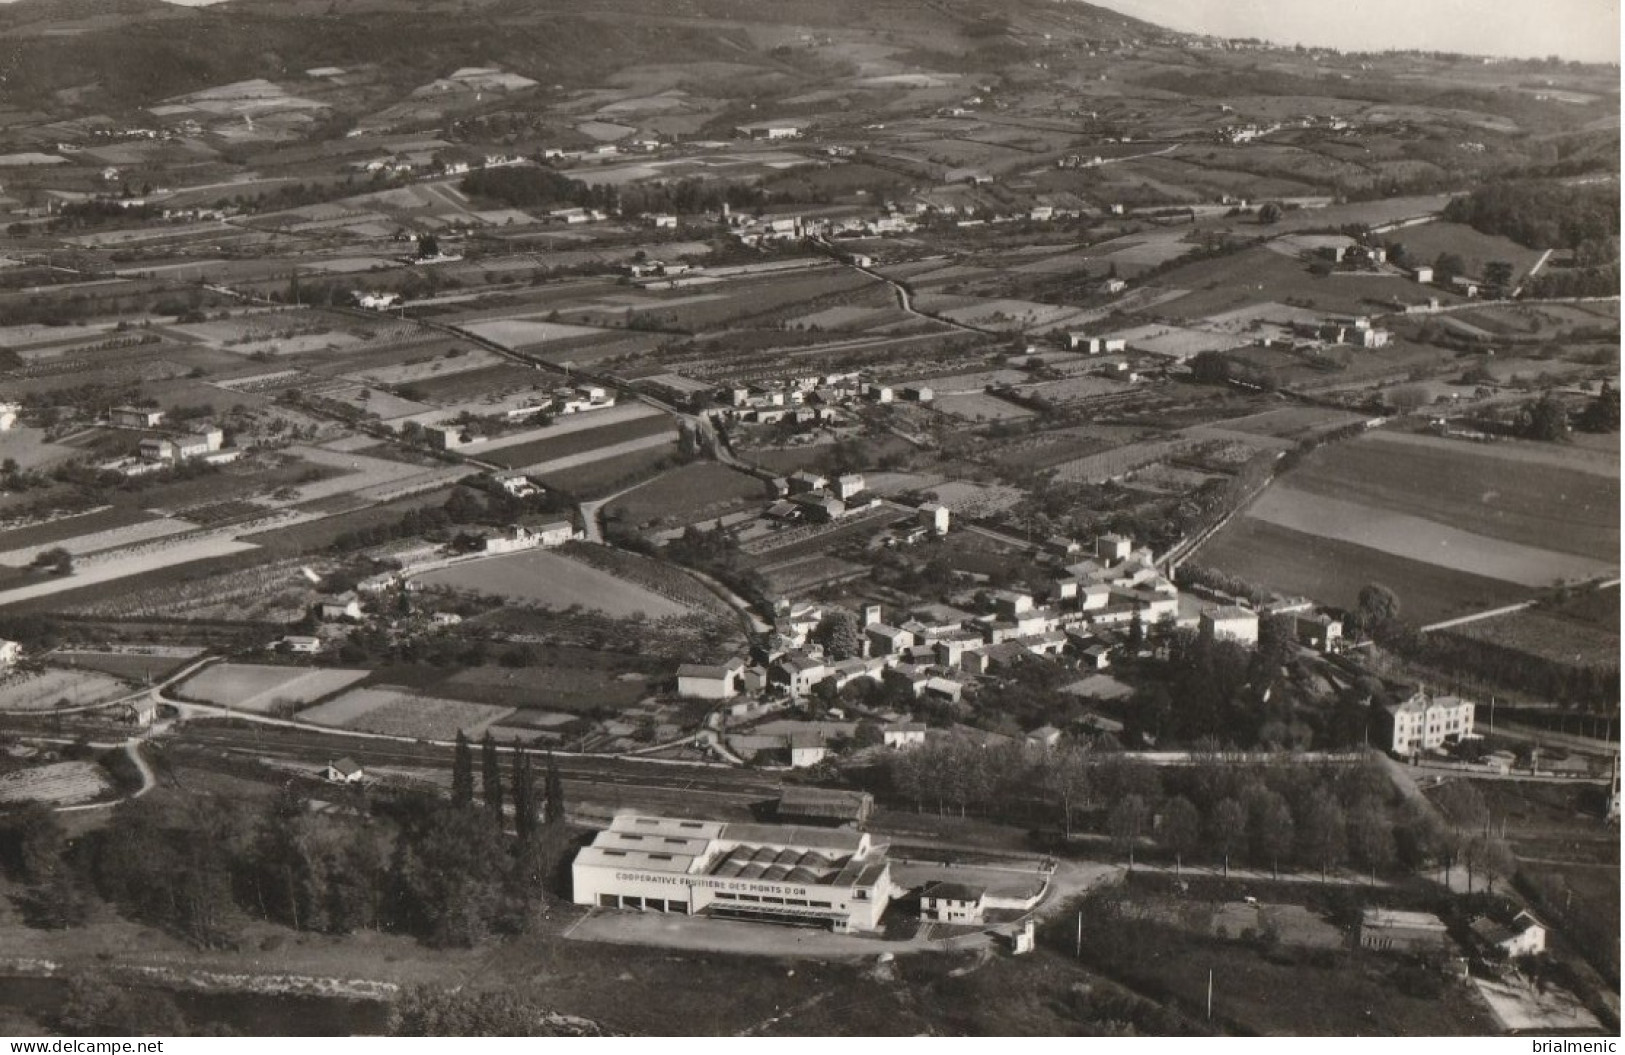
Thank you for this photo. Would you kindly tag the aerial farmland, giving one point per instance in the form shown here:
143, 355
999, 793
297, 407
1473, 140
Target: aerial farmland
1151, 498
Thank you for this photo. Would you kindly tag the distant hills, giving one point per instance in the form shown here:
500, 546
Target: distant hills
130, 53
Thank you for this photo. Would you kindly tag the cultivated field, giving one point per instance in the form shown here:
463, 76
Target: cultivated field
1549, 636
687, 494
1449, 525
1333, 572
553, 581
44, 690
981, 406
262, 688
401, 712
1420, 539
1497, 491
133, 665
56, 784
575, 442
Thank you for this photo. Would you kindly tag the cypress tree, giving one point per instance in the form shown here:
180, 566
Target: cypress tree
491, 778
524, 795
462, 772
553, 811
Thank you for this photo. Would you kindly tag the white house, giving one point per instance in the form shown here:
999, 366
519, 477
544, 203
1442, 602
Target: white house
1524, 936
8, 415
1423, 722
806, 749
135, 418
10, 652
935, 516
848, 485
344, 771
953, 903
903, 734
343, 606
1238, 624
704, 682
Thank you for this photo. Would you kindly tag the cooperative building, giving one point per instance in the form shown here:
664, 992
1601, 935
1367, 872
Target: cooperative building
834, 879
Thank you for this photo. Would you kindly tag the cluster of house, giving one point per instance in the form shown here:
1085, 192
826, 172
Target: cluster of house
1228, 617
160, 452
406, 165
810, 397
934, 651
573, 399
1356, 330
820, 500
660, 268
1238, 134
347, 607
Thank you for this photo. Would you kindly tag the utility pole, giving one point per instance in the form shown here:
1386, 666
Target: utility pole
1210, 994
1079, 954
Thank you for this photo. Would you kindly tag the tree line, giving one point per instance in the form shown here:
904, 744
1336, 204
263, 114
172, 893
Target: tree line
1271, 815
447, 872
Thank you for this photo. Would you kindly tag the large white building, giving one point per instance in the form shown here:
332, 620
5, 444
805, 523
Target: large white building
1231, 621
1425, 722
769, 873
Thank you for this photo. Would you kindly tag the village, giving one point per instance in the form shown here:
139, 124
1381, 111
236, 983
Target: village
944, 475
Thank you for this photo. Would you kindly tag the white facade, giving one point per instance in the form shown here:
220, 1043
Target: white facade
699, 682
758, 872
1238, 624
1423, 722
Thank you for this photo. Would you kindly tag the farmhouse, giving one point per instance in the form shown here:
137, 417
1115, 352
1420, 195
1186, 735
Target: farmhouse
519, 537
953, 903
1523, 936
1319, 631
377, 301
770, 130
804, 482
302, 644
798, 673
807, 749
767, 873
903, 734
887, 640
341, 606
517, 484
135, 418
936, 517
10, 652
677, 388
820, 507
344, 771
1238, 624
700, 682
8, 415
1424, 723
1045, 736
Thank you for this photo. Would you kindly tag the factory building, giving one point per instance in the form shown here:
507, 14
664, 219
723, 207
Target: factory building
838, 880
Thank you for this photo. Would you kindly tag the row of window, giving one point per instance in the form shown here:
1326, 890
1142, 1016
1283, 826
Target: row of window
650, 856
768, 900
